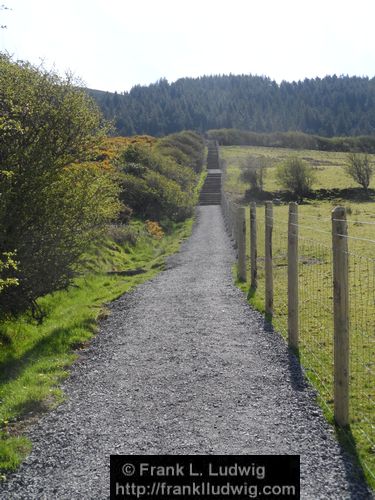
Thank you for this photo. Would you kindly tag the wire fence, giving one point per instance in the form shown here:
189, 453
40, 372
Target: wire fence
316, 314
335, 310
362, 348
280, 272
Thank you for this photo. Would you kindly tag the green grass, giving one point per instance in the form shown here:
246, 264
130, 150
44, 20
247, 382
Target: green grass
315, 286
328, 167
35, 358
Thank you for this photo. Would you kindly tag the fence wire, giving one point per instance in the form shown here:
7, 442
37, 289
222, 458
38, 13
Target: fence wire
316, 315
259, 295
362, 348
280, 273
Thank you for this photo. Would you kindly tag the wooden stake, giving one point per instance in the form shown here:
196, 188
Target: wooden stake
253, 246
341, 316
241, 226
268, 258
293, 276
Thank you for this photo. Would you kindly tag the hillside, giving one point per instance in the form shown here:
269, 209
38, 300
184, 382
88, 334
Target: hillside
332, 106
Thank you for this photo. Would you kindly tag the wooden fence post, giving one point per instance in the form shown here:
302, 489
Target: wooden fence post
341, 316
293, 276
253, 246
268, 258
230, 218
233, 224
241, 243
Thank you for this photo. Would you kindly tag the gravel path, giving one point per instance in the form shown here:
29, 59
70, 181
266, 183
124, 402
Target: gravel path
183, 366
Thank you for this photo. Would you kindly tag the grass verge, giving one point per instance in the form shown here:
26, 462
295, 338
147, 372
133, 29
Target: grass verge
35, 358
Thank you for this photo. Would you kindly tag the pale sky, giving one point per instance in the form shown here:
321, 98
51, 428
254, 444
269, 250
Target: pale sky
116, 44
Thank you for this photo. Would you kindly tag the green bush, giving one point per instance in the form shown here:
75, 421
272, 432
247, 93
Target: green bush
296, 176
253, 172
153, 184
175, 204
49, 205
176, 154
137, 194
186, 148
360, 169
155, 197
7, 262
137, 159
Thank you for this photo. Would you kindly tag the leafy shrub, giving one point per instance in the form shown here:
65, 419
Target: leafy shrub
125, 214
138, 158
176, 154
295, 176
359, 168
186, 148
50, 205
133, 168
137, 194
253, 172
154, 228
153, 185
7, 263
171, 200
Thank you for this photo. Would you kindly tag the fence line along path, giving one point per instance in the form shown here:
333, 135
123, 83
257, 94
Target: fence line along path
183, 366
320, 297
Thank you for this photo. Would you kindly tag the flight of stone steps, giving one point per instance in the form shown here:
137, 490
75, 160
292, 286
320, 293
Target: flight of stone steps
211, 190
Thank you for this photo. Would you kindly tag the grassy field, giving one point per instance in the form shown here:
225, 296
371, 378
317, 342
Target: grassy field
315, 282
35, 358
328, 167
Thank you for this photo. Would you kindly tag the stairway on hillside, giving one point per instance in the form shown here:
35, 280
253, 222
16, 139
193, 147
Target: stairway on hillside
213, 155
211, 190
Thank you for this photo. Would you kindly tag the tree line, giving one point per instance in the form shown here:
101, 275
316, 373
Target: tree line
292, 140
328, 107
57, 197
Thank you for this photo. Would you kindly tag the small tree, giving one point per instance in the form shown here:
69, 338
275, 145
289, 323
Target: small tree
253, 172
296, 176
359, 168
52, 201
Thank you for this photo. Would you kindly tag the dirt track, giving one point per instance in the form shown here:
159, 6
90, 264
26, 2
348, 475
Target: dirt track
183, 365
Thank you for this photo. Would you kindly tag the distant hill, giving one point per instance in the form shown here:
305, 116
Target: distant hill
330, 106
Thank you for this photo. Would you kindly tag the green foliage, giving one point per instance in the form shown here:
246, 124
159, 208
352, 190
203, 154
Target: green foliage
359, 168
295, 176
137, 159
253, 172
326, 107
186, 148
7, 264
153, 181
155, 196
293, 140
49, 207
331, 182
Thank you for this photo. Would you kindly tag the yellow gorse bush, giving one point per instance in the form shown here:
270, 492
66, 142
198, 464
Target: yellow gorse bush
154, 229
